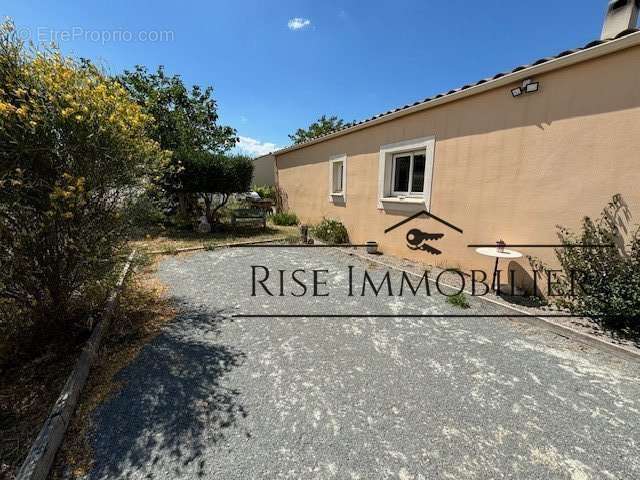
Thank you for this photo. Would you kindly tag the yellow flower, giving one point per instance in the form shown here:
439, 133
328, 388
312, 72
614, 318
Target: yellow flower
57, 192
6, 108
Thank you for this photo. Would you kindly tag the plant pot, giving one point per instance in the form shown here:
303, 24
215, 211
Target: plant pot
372, 247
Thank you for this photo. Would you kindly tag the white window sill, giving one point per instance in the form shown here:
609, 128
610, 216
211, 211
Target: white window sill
408, 200
402, 205
338, 198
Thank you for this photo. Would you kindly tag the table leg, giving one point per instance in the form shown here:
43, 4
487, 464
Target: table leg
494, 287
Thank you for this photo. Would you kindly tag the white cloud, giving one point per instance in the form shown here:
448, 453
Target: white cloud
298, 23
254, 147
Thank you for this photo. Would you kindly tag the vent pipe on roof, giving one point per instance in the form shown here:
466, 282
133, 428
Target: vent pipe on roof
621, 15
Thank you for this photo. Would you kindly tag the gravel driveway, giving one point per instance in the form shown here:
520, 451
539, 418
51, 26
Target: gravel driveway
358, 398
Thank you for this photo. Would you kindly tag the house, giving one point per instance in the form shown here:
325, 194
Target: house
509, 157
263, 171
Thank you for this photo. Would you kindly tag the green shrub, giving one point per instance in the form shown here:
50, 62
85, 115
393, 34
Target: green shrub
330, 231
266, 191
144, 211
285, 219
459, 300
183, 222
606, 281
214, 178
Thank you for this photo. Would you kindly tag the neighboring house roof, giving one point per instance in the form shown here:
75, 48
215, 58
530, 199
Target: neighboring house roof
623, 40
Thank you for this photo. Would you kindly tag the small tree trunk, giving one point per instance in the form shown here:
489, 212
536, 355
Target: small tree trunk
211, 211
207, 207
183, 204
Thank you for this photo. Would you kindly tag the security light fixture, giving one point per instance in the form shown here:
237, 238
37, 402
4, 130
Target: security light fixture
528, 86
532, 87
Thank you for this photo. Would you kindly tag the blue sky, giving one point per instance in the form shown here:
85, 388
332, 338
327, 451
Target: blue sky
278, 65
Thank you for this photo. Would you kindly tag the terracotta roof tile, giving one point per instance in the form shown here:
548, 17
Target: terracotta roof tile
591, 44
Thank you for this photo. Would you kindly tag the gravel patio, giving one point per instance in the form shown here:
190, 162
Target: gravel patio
216, 396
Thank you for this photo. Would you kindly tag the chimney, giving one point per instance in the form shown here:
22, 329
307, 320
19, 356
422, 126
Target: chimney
621, 15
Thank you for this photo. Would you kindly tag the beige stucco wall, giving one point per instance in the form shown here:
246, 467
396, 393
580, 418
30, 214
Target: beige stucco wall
263, 171
504, 168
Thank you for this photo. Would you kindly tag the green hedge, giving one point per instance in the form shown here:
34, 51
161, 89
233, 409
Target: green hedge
285, 219
330, 231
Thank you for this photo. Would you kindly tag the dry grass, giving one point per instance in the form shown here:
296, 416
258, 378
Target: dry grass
168, 240
143, 310
27, 393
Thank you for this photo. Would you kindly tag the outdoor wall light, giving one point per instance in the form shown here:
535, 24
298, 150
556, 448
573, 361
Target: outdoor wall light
528, 86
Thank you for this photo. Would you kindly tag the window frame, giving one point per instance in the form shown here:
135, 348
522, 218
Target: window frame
333, 160
387, 200
337, 176
410, 190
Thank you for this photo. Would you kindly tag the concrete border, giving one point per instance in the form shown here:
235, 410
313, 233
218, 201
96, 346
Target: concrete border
213, 247
42, 453
532, 319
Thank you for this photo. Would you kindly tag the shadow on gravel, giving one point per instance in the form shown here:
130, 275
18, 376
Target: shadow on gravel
171, 405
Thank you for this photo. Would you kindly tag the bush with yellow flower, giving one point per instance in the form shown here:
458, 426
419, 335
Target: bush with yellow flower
73, 148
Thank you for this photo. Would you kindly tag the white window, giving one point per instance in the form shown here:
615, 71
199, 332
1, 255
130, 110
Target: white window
338, 174
405, 174
337, 177
408, 174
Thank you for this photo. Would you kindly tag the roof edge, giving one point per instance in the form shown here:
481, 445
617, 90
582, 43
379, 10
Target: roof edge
565, 59
270, 154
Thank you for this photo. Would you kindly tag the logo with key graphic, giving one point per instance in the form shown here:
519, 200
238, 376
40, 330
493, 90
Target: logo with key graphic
418, 239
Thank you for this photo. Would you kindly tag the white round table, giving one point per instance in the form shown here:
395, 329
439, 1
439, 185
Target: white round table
494, 252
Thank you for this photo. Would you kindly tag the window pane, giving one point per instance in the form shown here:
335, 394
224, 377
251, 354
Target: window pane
417, 179
401, 174
338, 168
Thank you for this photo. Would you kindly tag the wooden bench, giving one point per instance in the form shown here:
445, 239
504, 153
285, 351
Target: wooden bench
247, 215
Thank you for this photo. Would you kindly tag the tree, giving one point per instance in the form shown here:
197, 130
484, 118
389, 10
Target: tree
185, 119
322, 126
214, 177
72, 147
